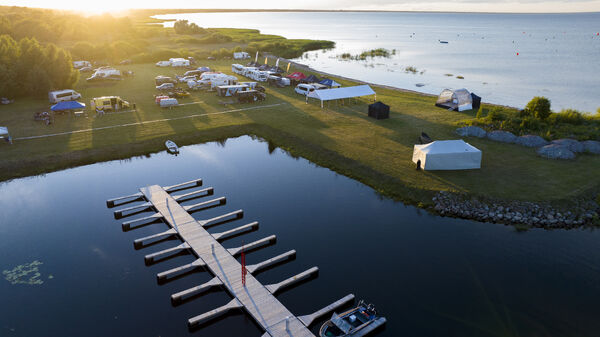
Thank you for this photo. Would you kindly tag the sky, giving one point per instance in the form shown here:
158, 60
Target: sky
528, 6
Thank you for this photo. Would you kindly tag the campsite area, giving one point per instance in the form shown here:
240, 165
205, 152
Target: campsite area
340, 136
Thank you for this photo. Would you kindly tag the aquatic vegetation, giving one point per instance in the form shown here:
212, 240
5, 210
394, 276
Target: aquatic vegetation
460, 77
411, 69
27, 273
379, 52
449, 75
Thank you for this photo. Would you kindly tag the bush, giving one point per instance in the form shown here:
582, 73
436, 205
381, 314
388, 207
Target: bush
538, 107
479, 113
496, 114
569, 116
184, 27
530, 123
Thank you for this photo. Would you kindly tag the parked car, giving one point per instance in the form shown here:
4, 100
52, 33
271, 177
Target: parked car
185, 79
304, 89
165, 86
86, 70
163, 79
163, 63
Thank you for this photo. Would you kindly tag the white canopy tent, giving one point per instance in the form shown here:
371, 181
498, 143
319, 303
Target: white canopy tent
4, 134
447, 155
341, 93
459, 100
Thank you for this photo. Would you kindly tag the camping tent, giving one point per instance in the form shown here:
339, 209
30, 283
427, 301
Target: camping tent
296, 76
67, 105
379, 110
330, 83
459, 100
4, 134
204, 69
341, 93
447, 155
476, 101
310, 79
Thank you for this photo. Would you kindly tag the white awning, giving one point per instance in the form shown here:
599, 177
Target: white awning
340, 93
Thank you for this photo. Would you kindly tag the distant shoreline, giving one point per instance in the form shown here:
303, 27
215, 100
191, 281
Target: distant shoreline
159, 11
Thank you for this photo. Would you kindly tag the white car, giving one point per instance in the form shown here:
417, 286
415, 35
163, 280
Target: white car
165, 86
304, 89
163, 63
185, 79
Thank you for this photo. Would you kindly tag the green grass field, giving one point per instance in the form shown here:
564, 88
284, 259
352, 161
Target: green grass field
340, 137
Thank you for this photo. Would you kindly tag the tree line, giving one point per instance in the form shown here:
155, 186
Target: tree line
28, 68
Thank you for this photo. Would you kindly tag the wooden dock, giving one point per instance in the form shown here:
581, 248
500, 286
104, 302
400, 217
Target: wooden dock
256, 299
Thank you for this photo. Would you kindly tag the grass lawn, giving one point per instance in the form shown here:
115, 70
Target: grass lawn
340, 137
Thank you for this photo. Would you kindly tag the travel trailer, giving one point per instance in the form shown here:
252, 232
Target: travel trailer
106, 74
230, 90
179, 62
81, 64
237, 68
241, 55
63, 95
163, 63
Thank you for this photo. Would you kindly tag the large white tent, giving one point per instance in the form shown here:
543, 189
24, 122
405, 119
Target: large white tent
447, 155
459, 100
341, 93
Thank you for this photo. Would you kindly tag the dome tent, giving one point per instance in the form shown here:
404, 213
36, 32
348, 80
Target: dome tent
379, 110
458, 100
447, 155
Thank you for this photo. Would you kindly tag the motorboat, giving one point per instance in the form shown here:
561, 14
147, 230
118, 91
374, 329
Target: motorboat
355, 322
171, 146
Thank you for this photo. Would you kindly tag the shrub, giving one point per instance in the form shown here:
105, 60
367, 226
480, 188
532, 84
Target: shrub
538, 107
184, 27
569, 116
530, 123
496, 114
479, 113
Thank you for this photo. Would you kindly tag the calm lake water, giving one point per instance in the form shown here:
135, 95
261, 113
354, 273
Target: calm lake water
430, 276
558, 54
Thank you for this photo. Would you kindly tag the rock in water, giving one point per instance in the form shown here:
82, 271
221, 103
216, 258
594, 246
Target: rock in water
531, 141
471, 131
502, 136
591, 146
570, 144
555, 151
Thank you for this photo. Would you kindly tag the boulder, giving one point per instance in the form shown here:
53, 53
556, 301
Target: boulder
570, 144
591, 146
471, 131
502, 136
531, 141
555, 151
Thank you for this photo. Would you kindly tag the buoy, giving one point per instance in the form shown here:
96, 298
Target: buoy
517, 54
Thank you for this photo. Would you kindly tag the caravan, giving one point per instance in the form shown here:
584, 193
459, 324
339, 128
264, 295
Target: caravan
237, 68
179, 62
230, 90
63, 95
222, 80
81, 64
241, 55
106, 73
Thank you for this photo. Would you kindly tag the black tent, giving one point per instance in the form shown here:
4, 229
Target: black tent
311, 79
379, 110
476, 101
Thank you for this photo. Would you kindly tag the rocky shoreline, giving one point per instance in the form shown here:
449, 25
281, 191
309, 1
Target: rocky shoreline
517, 213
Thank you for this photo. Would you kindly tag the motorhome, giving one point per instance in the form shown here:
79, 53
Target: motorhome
248, 70
105, 103
81, 64
207, 76
230, 90
63, 95
251, 85
237, 68
179, 62
257, 75
241, 55
222, 80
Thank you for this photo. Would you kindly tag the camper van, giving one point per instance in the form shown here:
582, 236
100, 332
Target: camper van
257, 75
81, 64
207, 76
63, 95
179, 62
105, 103
240, 55
230, 90
237, 68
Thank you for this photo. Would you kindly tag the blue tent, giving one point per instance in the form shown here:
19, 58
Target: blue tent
330, 83
67, 105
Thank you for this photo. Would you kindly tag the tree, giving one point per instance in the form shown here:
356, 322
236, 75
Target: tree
538, 107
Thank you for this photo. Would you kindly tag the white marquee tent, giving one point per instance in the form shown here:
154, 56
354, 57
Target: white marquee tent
341, 93
447, 155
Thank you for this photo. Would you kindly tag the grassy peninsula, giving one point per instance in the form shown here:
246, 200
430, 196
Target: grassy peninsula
340, 137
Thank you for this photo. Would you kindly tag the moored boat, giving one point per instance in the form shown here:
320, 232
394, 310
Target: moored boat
171, 146
356, 322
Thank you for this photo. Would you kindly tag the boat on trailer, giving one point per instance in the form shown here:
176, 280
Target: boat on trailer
171, 146
355, 322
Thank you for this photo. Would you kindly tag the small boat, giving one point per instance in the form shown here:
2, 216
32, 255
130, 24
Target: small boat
356, 322
443, 41
171, 146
